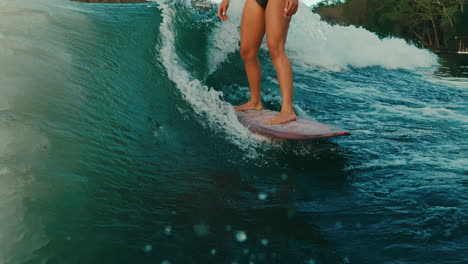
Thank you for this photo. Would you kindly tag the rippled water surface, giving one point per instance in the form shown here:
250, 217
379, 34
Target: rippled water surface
119, 144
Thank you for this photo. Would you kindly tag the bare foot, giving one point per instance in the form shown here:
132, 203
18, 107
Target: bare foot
282, 117
249, 106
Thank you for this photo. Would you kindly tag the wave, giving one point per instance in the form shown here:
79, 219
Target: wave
206, 102
311, 43
314, 43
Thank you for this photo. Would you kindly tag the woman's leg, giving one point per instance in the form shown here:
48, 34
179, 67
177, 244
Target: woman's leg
252, 32
276, 32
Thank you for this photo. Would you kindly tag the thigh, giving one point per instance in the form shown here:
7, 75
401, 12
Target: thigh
252, 25
276, 23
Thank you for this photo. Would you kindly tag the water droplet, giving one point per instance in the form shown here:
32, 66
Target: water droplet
338, 225
284, 176
241, 236
311, 261
345, 260
228, 228
174, 212
213, 251
168, 230
447, 233
262, 196
261, 257
68, 238
148, 248
246, 251
264, 242
165, 262
201, 230
358, 225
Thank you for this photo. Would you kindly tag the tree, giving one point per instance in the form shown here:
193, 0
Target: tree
431, 23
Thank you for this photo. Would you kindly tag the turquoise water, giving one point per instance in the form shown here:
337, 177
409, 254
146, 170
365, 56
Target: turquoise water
119, 144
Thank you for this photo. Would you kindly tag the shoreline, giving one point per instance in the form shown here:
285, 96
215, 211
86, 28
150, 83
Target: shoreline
443, 51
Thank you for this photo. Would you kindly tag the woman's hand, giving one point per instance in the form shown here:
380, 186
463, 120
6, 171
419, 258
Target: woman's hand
222, 9
291, 8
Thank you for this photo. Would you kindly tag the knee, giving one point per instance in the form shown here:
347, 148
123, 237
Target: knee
275, 49
248, 54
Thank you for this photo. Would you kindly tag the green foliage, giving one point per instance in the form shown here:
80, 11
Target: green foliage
429, 23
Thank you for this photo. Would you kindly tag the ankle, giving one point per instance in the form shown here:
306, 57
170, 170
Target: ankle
287, 110
256, 102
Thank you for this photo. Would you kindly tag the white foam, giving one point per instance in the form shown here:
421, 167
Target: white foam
453, 82
225, 37
312, 42
428, 112
207, 103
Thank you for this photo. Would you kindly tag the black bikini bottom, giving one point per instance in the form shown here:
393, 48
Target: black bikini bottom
262, 3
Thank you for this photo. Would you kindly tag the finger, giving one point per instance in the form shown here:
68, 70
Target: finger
295, 9
224, 13
220, 12
287, 7
288, 13
291, 10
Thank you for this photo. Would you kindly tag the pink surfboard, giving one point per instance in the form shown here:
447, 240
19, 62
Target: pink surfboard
300, 129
